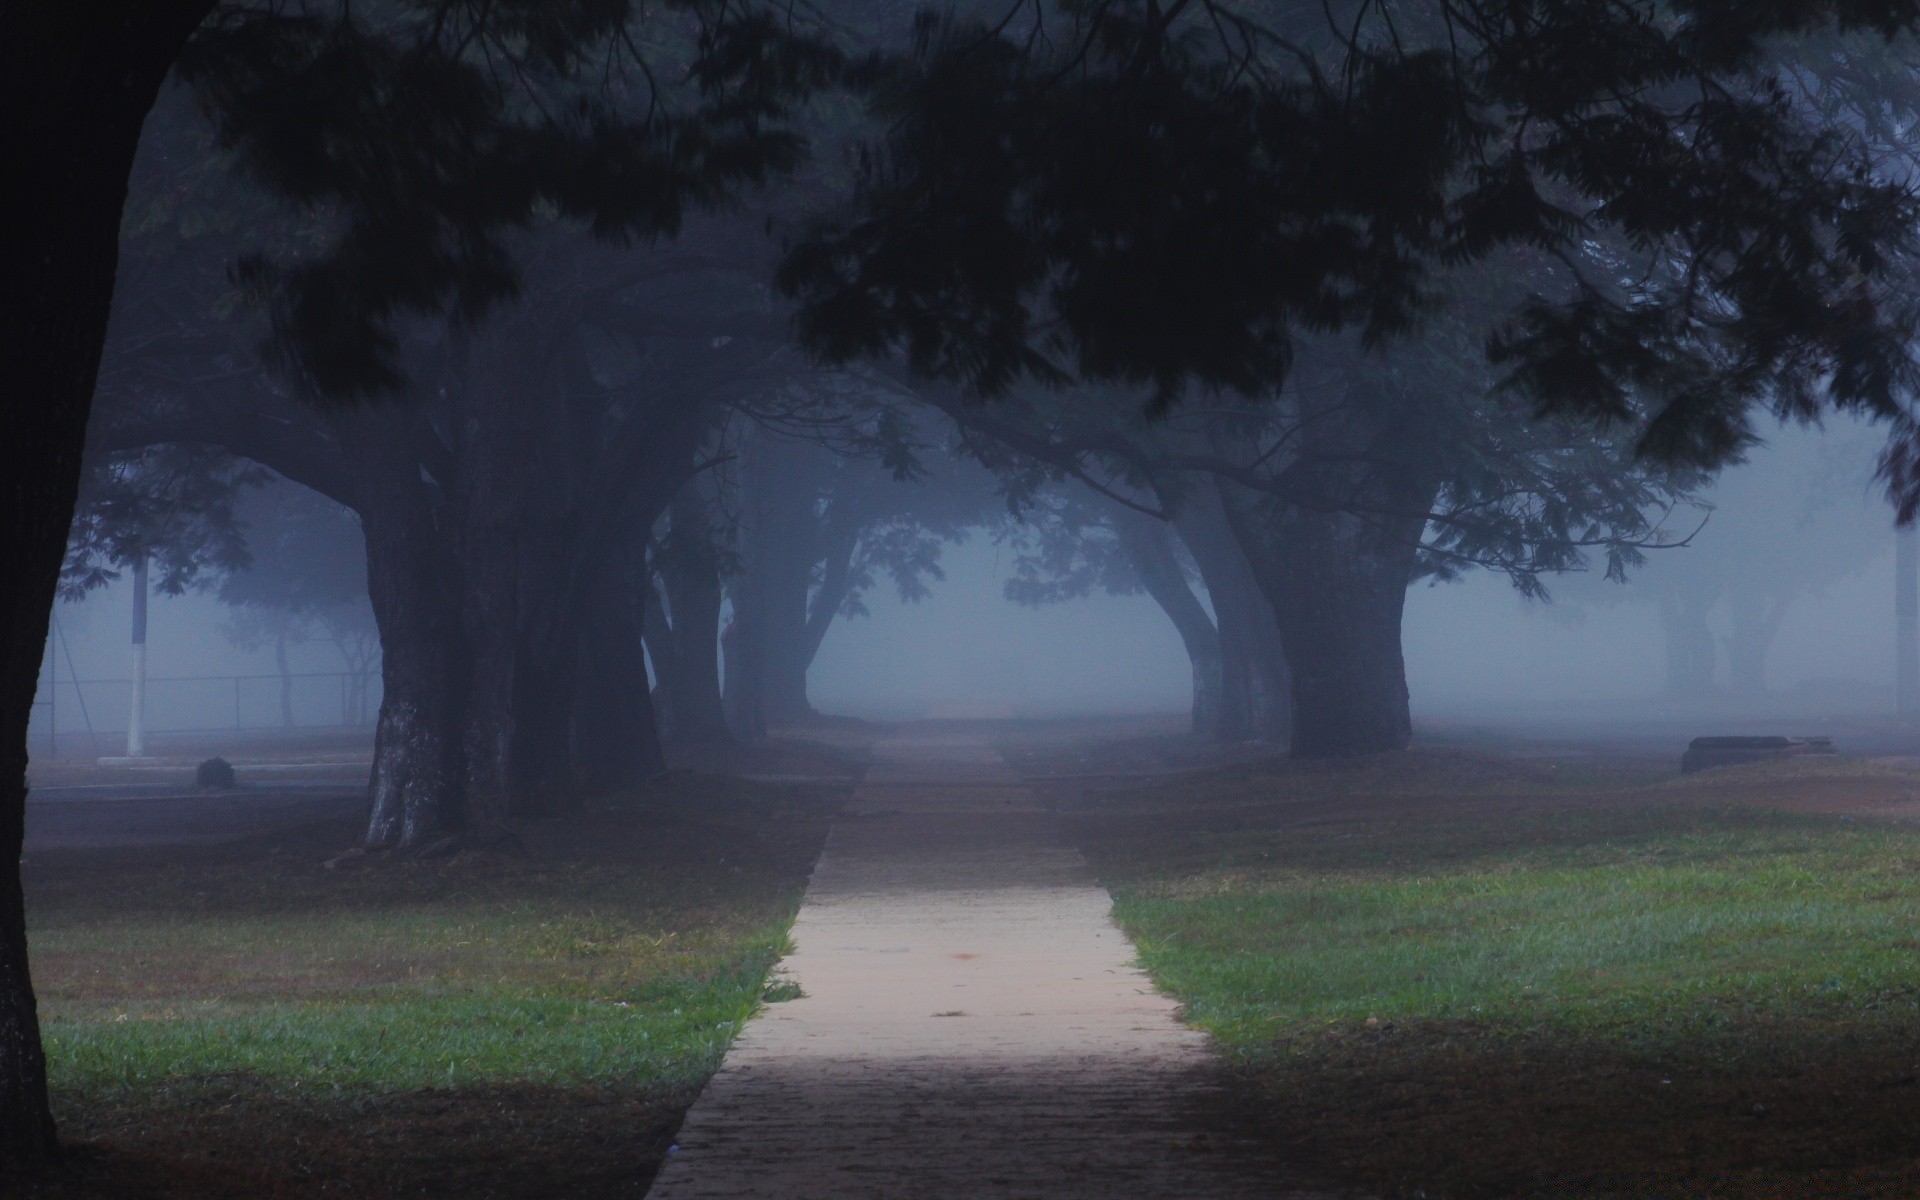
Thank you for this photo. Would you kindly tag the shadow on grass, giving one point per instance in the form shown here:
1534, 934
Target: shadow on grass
1445, 975
253, 1140
245, 1020
1779, 1108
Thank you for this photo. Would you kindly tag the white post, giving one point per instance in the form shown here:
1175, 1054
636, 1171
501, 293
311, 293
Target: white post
136, 719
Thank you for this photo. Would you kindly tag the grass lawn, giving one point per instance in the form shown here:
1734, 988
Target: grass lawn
243, 1021
1455, 975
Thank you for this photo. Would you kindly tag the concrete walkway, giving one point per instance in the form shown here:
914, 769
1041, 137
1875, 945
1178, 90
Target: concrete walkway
971, 1027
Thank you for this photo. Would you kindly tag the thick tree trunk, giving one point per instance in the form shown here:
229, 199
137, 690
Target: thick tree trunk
1149, 548
782, 564
746, 715
616, 740
77, 79
1338, 582
412, 583
1255, 700
1340, 613
779, 548
683, 630
498, 757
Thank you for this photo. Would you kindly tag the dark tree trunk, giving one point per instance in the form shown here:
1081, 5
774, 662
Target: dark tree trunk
782, 565
498, 526
1342, 597
412, 583
1255, 700
1338, 579
779, 548
683, 629
1149, 547
746, 715
616, 741
77, 79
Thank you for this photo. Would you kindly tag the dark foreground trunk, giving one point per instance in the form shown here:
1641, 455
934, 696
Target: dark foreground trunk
411, 582
780, 557
781, 616
76, 82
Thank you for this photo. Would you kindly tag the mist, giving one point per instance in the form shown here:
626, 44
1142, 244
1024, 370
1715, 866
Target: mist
1058, 599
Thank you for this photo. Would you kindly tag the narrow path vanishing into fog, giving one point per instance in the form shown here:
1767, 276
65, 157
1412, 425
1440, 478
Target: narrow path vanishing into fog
972, 1024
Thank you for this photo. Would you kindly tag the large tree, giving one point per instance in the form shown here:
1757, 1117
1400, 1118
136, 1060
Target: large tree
1165, 199
1162, 196
418, 130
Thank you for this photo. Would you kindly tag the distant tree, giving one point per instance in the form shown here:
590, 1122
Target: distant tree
1164, 201
1793, 519
688, 557
833, 494
177, 506
1071, 545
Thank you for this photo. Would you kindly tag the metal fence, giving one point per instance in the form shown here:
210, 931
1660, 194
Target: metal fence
96, 710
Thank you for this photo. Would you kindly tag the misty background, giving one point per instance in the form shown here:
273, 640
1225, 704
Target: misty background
1801, 526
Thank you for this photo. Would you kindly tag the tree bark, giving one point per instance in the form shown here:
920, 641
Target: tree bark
1255, 699
741, 674
412, 583
1150, 551
616, 739
77, 79
779, 548
1337, 576
683, 627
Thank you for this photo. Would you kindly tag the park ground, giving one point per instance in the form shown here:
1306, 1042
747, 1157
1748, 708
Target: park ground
244, 1020
1452, 973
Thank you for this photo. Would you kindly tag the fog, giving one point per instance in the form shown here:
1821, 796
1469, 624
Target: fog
198, 679
1476, 649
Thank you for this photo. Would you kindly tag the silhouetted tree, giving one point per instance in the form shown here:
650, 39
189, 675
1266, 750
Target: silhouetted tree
422, 130
835, 491
1105, 191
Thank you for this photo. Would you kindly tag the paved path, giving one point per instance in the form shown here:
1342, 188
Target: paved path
971, 1028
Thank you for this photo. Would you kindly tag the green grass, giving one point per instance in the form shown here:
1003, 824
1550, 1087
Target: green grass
1591, 921
442, 994
478, 1002
1645, 991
